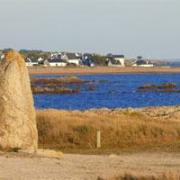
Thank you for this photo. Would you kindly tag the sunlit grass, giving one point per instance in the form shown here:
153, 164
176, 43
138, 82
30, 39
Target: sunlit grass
129, 176
120, 129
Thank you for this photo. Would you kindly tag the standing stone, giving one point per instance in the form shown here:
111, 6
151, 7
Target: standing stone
18, 128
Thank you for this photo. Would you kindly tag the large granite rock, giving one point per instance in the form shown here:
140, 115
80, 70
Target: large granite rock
18, 128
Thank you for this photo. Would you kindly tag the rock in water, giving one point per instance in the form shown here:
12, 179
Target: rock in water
18, 129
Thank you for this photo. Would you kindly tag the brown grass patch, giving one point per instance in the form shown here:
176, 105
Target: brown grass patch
99, 70
129, 176
128, 128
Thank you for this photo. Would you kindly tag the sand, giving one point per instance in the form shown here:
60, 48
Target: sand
100, 70
89, 167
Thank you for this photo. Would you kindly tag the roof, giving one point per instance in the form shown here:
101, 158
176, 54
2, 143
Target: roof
72, 56
56, 61
139, 62
115, 56
118, 56
115, 62
87, 55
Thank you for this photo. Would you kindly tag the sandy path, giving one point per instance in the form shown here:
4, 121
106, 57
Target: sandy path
78, 167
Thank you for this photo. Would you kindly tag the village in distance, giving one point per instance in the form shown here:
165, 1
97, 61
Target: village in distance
76, 59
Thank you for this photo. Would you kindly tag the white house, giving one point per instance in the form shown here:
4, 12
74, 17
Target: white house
40, 59
28, 62
120, 59
87, 60
57, 62
31, 62
2, 56
72, 58
115, 60
55, 55
143, 63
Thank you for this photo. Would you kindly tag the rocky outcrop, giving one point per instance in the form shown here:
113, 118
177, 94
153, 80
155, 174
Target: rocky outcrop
54, 90
18, 128
61, 85
165, 87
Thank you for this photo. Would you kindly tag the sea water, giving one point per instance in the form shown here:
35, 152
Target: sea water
112, 91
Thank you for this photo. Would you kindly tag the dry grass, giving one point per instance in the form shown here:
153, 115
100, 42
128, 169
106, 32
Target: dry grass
129, 176
100, 70
128, 128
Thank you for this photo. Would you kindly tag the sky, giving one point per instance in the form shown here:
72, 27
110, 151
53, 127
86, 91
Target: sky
150, 28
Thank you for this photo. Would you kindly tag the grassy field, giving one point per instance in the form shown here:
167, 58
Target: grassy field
121, 130
100, 70
127, 176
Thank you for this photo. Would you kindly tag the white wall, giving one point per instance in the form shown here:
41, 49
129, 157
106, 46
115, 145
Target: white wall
28, 64
62, 64
74, 61
146, 65
121, 60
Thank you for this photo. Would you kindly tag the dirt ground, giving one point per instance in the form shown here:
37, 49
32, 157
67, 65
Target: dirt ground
100, 70
86, 167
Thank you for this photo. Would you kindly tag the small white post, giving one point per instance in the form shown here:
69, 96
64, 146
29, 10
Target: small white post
98, 138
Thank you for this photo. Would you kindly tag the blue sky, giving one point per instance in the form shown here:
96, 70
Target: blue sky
150, 28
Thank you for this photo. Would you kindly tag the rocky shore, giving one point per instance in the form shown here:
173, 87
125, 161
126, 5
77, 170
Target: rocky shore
62, 85
56, 85
165, 87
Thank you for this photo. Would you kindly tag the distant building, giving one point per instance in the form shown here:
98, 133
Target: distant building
31, 62
40, 59
55, 55
72, 58
115, 60
28, 62
57, 62
44, 63
140, 62
1, 54
87, 60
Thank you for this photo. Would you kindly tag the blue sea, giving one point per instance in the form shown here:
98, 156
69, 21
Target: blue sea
111, 91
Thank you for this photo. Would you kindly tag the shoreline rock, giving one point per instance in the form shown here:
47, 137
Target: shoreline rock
165, 87
54, 90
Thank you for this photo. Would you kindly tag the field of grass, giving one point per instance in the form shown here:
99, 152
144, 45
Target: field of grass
127, 176
100, 70
127, 129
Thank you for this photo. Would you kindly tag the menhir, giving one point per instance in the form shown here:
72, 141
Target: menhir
18, 129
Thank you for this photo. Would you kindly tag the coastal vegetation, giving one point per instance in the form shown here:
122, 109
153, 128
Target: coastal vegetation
99, 70
130, 176
120, 129
34, 54
99, 59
